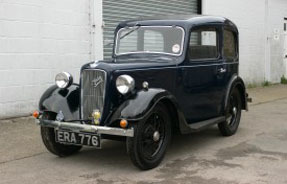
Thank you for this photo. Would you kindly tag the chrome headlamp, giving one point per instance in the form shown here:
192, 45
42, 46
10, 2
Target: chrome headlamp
63, 80
125, 84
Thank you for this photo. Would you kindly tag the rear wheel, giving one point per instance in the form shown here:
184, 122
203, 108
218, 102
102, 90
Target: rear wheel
233, 114
48, 137
152, 136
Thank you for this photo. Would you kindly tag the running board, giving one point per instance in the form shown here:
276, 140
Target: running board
195, 127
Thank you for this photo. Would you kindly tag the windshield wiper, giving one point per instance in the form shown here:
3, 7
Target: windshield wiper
131, 31
136, 27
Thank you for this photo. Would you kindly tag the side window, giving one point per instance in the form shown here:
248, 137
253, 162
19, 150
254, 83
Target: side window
229, 48
203, 44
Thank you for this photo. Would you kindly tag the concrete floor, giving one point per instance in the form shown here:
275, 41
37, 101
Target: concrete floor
256, 154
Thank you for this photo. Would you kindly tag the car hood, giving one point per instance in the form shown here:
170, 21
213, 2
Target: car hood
129, 64
140, 69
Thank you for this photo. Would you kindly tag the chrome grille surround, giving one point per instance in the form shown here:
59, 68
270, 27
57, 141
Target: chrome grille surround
93, 88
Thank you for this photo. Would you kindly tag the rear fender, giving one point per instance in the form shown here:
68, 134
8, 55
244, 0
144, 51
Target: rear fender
236, 82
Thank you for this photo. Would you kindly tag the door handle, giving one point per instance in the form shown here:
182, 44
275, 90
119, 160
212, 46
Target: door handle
221, 70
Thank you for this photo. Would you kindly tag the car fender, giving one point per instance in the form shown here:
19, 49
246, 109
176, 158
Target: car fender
67, 100
136, 107
236, 81
142, 103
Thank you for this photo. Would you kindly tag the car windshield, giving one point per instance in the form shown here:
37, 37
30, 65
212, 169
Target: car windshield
150, 39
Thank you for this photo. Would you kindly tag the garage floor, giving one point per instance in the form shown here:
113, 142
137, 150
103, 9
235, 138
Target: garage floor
256, 154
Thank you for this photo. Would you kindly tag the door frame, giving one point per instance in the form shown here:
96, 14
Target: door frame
285, 45
185, 66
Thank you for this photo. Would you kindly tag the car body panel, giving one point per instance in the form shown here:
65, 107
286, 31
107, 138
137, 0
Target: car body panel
196, 89
66, 100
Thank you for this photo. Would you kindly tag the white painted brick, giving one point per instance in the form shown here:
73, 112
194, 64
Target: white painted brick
63, 17
19, 29
10, 109
250, 22
249, 16
19, 12
28, 107
38, 39
65, 32
277, 13
11, 94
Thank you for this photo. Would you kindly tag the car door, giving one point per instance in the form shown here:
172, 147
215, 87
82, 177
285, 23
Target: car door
285, 44
201, 77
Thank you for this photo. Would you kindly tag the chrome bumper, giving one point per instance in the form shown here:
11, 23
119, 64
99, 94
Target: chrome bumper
77, 127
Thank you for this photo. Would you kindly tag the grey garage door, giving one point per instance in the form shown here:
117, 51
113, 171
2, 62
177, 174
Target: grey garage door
115, 11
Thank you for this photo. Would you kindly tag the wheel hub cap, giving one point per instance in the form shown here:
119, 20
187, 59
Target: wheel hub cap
156, 136
234, 110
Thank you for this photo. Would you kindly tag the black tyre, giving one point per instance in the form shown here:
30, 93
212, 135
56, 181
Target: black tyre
48, 137
233, 114
151, 139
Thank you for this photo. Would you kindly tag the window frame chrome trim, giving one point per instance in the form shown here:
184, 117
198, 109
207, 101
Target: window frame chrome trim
219, 54
142, 52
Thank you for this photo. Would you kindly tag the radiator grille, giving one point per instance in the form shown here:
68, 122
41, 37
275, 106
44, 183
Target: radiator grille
93, 92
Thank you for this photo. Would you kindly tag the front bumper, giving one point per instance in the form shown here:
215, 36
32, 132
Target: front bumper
77, 127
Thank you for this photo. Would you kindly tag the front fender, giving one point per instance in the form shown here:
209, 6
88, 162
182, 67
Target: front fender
140, 104
67, 100
138, 107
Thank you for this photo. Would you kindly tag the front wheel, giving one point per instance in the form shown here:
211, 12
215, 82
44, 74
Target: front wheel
152, 136
48, 137
233, 114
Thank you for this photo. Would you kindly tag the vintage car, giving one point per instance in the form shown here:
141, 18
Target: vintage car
167, 74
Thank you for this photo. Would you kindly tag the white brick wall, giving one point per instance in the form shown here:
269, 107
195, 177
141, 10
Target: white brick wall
39, 38
249, 17
260, 59
277, 12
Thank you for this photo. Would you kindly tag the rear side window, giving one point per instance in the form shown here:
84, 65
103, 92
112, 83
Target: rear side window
203, 44
229, 48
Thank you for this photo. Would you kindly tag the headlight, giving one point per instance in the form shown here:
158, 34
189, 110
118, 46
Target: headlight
64, 80
125, 84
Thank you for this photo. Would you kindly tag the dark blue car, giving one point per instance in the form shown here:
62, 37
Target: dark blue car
167, 74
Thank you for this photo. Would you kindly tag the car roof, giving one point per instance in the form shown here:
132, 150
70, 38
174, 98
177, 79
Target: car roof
178, 20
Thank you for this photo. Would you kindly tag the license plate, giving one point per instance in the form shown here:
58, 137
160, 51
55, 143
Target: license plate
76, 138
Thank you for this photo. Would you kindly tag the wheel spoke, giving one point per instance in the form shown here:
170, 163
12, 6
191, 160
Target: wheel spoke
153, 134
148, 141
155, 147
148, 131
233, 106
150, 149
156, 122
